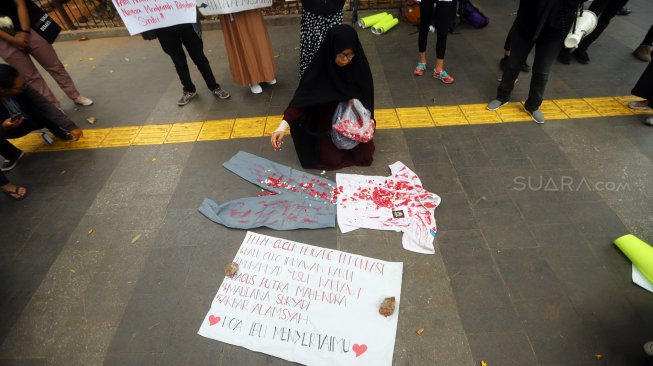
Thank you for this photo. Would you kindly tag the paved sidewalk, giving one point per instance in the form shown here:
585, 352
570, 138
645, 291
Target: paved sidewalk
525, 272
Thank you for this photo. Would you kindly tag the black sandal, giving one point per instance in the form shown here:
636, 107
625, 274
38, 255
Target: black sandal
15, 194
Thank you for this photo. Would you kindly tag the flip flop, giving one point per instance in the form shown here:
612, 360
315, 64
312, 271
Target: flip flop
15, 194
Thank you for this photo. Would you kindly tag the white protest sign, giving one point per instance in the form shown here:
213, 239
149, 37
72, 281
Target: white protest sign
143, 15
307, 304
213, 7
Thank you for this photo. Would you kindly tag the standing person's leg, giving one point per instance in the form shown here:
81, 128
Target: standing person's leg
520, 47
444, 15
12, 190
21, 61
547, 47
195, 48
425, 12
643, 52
606, 16
171, 43
44, 54
597, 6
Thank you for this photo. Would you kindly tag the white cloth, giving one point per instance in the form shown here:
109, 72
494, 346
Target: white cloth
397, 202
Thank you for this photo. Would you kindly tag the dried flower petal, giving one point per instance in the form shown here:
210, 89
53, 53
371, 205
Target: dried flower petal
387, 306
230, 269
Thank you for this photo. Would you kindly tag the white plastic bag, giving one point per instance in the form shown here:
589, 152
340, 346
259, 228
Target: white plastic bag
351, 124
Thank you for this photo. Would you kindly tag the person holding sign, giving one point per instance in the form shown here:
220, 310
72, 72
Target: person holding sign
318, 16
20, 40
173, 39
339, 72
249, 49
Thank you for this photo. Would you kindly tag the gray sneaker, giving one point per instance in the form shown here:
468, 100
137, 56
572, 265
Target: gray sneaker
537, 115
221, 93
496, 104
185, 98
7, 165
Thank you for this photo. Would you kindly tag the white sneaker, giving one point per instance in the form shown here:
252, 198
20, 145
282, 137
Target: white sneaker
256, 89
649, 121
81, 100
272, 82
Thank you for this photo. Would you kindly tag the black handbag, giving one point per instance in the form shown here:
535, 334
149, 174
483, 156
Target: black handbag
41, 22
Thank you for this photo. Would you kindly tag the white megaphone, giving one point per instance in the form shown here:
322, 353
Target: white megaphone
585, 24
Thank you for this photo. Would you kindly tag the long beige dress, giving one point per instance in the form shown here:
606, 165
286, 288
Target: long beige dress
247, 41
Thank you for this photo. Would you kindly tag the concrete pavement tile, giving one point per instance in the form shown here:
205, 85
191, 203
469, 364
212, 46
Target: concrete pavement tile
501, 147
133, 359
527, 275
113, 196
374, 244
443, 341
511, 236
563, 246
233, 355
570, 185
542, 213
505, 348
186, 347
161, 180
596, 220
454, 213
103, 302
427, 151
206, 265
428, 283
165, 272
439, 178
485, 191
480, 295
511, 164
188, 227
23, 362
465, 252
545, 156
145, 212
502, 213
146, 325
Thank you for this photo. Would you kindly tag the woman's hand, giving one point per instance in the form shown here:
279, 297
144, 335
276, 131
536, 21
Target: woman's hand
277, 140
11, 123
21, 40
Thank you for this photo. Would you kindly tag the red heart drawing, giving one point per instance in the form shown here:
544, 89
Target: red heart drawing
213, 320
359, 349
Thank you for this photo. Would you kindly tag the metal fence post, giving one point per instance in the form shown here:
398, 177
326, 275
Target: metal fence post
62, 13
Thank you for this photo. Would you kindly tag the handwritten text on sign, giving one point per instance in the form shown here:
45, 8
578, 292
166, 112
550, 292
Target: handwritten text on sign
143, 15
212, 7
306, 304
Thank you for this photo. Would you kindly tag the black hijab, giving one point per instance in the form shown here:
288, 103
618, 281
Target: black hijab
325, 82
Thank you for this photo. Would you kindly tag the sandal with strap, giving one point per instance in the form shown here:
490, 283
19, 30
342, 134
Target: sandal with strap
15, 194
419, 69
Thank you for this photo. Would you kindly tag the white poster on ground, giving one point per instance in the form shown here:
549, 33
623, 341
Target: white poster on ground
213, 7
143, 15
307, 304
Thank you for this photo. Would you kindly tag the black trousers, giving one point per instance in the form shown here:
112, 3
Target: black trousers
605, 10
644, 86
3, 179
444, 14
547, 45
172, 39
10, 152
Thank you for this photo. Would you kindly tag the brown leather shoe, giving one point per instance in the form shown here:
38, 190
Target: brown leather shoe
643, 53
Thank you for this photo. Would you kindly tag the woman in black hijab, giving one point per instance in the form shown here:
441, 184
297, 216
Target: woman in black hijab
339, 72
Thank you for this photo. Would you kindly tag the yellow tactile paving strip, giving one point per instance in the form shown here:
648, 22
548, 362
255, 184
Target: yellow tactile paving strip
212, 130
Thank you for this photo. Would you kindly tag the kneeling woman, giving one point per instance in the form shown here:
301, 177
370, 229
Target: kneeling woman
338, 72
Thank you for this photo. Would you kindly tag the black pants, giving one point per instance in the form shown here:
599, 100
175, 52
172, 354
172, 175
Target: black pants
605, 10
11, 152
3, 179
171, 40
644, 86
444, 14
547, 45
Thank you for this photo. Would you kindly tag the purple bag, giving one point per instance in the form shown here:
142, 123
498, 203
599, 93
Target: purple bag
472, 15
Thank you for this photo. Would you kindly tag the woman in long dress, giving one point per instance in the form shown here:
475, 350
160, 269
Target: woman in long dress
318, 16
249, 50
339, 72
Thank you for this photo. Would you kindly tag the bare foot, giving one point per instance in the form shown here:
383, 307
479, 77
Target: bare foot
76, 134
14, 191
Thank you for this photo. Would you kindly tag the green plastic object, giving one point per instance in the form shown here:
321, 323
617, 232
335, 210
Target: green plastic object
384, 25
639, 252
370, 20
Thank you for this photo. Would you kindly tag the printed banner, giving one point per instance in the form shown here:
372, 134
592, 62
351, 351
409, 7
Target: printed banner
143, 15
213, 7
307, 304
